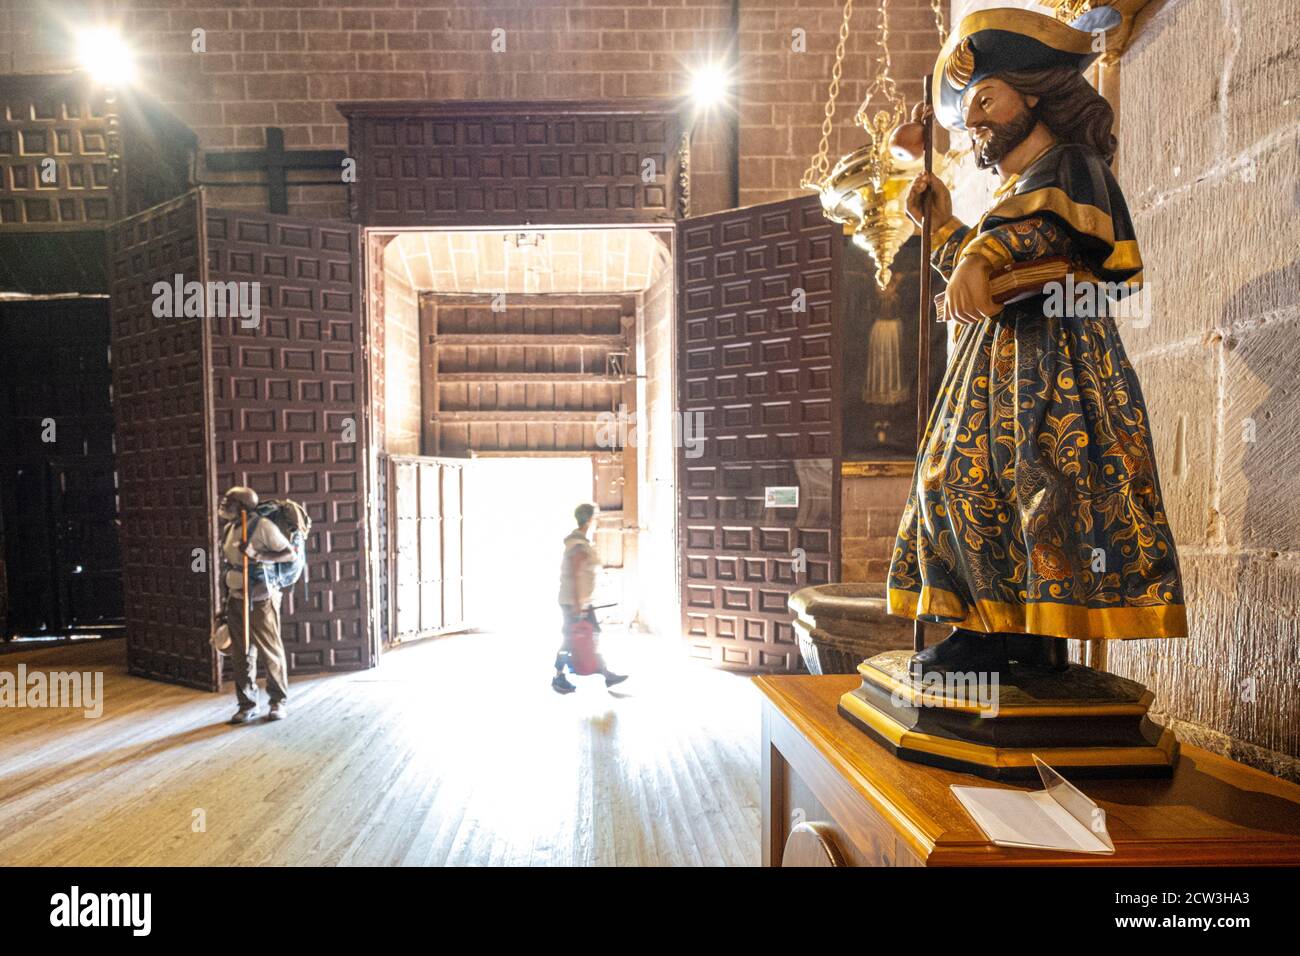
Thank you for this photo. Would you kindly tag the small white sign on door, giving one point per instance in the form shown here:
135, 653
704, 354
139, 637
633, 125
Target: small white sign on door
781, 497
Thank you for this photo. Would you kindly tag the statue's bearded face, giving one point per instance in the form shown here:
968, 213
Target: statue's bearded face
998, 118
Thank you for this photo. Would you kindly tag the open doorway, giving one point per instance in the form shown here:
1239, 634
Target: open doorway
544, 361
60, 557
519, 510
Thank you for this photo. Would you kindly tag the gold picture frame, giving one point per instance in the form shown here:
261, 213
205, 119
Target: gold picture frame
876, 469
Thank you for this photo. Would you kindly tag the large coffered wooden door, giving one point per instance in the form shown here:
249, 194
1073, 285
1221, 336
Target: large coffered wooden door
207, 401
757, 302
164, 453
289, 413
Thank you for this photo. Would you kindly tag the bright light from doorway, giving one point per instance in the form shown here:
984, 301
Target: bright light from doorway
106, 56
517, 513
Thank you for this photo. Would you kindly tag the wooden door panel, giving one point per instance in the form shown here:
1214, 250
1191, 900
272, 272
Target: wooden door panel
479, 163
289, 397
430, 568
427, 526
203, 403
404, 522
110, 160
757, 303
756, 310
88, 554
453, 582
160, 407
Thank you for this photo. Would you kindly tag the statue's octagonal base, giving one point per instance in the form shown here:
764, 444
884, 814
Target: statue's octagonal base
1084, 723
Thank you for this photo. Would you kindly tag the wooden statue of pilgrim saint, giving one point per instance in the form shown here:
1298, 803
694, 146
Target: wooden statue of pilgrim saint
1035, 512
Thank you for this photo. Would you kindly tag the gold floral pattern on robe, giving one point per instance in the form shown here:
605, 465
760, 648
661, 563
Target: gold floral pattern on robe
1035, 505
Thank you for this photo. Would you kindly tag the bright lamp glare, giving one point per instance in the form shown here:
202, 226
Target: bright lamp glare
709, 84
105, 56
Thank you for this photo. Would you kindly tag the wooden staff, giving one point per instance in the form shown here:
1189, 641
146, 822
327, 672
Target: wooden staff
243, 540
923, 336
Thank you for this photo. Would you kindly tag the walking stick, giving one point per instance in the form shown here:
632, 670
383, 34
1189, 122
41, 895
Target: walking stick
243, 538
923, 341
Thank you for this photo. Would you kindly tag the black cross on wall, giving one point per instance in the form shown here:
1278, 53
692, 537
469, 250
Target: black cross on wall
276, 161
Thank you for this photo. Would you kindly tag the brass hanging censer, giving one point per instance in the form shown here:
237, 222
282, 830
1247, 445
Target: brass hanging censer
867, 189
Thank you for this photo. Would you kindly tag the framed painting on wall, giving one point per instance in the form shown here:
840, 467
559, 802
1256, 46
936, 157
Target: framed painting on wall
878, 362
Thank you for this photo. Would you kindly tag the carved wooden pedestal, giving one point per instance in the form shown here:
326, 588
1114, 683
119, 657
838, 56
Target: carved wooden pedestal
1085, 723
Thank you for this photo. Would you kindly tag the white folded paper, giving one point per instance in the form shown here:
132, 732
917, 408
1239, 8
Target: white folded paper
1058, 817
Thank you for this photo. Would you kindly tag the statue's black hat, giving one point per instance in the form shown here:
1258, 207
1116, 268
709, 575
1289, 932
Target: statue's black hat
1006, 39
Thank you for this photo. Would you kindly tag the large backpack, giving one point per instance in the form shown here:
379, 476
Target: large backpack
294, 523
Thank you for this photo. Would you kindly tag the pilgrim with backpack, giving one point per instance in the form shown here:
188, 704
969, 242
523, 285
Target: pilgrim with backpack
264, 552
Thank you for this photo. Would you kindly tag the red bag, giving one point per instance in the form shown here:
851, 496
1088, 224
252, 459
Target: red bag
583, 658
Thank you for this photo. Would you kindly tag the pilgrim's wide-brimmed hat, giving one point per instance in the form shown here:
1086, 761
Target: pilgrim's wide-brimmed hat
1003, 39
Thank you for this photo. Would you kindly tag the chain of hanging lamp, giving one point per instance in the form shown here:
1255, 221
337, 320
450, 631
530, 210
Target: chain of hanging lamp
937, 7
883, 84
820, 166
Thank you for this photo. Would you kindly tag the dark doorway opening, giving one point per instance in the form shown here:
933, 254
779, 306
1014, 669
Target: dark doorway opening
62, 563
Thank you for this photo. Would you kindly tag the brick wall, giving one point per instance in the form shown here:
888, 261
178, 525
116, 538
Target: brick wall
1209, 160
287, 62
870, 509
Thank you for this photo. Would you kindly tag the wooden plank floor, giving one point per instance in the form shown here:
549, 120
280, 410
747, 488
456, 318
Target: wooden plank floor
452, 752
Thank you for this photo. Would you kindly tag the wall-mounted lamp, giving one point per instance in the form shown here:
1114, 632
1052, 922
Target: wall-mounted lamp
106, 56
710, 84
711, 90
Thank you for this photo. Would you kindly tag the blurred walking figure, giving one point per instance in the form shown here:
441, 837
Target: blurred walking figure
580, 627
248, 536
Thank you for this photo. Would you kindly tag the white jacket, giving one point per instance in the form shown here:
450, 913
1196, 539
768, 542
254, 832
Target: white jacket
578, 577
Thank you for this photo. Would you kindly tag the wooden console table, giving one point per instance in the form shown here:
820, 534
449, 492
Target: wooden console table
878, 810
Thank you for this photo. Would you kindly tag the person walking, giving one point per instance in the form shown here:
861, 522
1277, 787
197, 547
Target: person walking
577, 584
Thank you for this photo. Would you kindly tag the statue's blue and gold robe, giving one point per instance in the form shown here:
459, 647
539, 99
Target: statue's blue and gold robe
1035, 504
